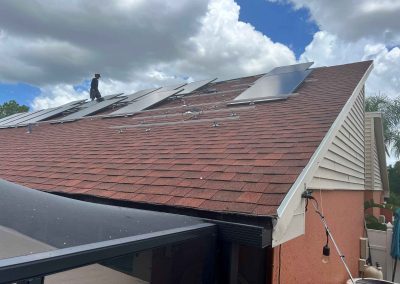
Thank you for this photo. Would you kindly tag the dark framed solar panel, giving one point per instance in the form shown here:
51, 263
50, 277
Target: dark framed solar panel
171, 87
290, 68
272, 87
144, 103
55, 112
191, 87
139, 94
92, 109
13, 116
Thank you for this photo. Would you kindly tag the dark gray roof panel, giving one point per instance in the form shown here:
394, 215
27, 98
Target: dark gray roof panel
92, 108
171, 87
191, 87
290, 68
272, 87
26, 117
144, 103
139, 94
13, 116
54, 112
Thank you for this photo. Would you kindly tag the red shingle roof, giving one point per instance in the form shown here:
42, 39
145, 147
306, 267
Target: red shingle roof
245, 165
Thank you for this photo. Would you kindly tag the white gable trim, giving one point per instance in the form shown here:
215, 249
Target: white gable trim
293, 205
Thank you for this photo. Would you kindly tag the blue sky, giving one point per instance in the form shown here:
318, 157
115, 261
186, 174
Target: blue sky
280, 22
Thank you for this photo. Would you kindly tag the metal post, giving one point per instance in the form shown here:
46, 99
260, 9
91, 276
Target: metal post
233, 263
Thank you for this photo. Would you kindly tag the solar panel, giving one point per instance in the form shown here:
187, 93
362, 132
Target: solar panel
171, 87
92, 109
55, 112
26, 117
272, 87
144, 103
25, 114
13, 116
108, 97
139, 94
187, 89
290, 68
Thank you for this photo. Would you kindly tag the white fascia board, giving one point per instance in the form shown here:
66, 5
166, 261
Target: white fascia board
293, 201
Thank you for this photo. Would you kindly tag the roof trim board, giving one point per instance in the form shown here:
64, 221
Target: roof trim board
293, 205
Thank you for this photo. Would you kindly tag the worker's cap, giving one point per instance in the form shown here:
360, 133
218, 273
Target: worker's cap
97, 75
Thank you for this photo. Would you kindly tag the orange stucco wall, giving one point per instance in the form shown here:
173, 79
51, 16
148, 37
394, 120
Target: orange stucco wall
301, 257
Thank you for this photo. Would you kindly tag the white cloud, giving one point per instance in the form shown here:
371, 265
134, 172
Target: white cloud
328, 49
358, 30
354, 30
133, 44
352, 20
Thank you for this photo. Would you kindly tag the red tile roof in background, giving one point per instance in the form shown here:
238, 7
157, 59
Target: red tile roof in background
246, 165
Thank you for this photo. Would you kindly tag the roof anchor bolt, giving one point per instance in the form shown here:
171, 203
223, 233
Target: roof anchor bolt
29, 127
215, 124
121, 130
233, 113
148, 129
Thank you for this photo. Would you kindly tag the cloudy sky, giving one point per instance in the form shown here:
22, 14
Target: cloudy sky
50, 49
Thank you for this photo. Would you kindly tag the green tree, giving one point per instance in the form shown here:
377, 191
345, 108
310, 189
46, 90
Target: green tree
11, 107
394, 178
390, 109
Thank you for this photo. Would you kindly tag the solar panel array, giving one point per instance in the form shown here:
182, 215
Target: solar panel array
278, 84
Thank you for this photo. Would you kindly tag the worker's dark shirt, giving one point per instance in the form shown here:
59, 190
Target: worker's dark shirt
95, 84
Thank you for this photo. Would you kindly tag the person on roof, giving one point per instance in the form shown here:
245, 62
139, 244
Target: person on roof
94, 88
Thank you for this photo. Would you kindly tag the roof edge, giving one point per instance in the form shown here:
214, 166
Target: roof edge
293, 203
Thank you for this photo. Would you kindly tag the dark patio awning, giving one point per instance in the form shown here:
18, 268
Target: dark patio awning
50, 233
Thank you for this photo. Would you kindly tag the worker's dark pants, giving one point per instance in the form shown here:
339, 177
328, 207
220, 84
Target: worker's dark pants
95, 94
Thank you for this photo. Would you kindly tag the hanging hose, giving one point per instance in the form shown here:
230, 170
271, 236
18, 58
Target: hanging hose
314, 202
